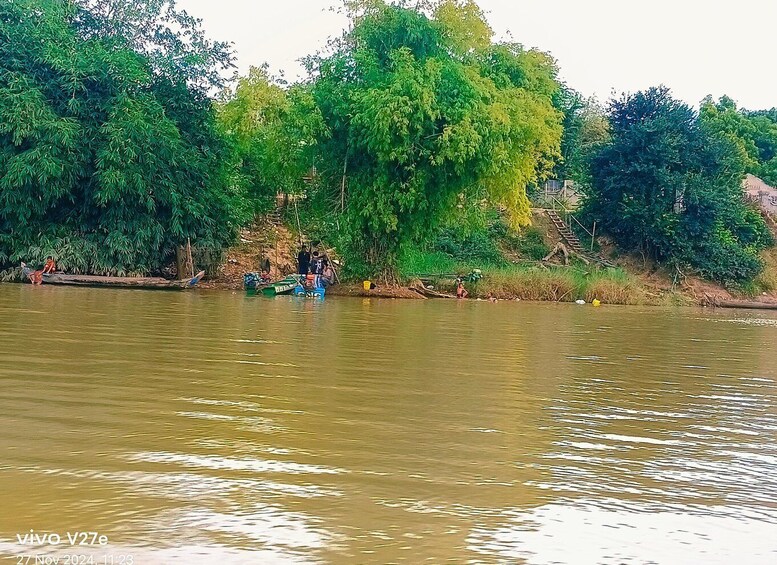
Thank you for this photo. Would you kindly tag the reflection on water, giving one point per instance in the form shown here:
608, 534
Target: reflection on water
212, 427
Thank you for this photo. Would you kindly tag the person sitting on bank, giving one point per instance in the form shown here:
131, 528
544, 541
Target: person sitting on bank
461, 292
303, 261
50, 266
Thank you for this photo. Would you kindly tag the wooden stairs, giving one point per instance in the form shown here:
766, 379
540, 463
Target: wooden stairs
566, 232
573, 241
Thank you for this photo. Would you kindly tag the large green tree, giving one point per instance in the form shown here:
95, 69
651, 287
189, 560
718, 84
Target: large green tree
423, 109
667, 186
106, 162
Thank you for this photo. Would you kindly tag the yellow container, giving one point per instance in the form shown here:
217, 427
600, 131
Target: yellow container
367, 285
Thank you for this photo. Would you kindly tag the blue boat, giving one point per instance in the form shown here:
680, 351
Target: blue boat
310, 288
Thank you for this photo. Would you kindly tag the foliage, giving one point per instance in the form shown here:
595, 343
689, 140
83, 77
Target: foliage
586, 130
104, 162
754, 134
421, 107
170, 40
530, 243
273, 132
669, 187
414, 262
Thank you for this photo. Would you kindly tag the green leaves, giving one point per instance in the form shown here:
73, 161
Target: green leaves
272, 132
104, 162
670, 184
422, 108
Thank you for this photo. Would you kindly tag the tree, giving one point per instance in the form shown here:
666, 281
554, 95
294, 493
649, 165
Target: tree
667, 186
272, 130
421, 107
104, 162
172, 41
754, 134
586, 129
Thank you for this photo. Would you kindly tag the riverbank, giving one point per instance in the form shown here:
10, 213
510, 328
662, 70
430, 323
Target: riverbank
631, 281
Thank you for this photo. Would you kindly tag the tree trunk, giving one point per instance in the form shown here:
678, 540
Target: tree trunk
180, 261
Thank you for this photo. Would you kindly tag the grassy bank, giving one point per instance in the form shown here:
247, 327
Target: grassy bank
560, 284
553, 283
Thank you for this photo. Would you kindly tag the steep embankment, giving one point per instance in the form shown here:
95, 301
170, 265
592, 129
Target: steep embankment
264, 238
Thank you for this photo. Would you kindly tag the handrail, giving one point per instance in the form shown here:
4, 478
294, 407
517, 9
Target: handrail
581, 225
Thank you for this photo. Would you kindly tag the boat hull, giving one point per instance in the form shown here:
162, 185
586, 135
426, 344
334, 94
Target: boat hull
150, 283
315, 292
283, 286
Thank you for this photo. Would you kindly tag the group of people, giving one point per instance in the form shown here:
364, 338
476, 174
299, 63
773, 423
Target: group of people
317, 265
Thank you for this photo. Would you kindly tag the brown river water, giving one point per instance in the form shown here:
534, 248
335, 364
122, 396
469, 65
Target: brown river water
212, 427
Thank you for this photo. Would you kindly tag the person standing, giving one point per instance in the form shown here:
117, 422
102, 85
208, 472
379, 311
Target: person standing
303, 261
317, 264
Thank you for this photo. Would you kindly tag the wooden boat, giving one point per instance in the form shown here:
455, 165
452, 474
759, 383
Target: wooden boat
746, 304
283, 286
122, 282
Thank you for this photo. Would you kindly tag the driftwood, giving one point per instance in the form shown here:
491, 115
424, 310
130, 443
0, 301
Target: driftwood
562, 249
428, 292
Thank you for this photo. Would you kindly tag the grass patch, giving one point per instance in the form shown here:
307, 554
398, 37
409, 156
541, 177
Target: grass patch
767, 280
561, 284
415, 262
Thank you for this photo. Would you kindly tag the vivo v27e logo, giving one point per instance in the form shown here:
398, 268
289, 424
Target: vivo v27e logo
71, 538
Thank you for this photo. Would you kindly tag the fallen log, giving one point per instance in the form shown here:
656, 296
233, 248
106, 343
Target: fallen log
429, 293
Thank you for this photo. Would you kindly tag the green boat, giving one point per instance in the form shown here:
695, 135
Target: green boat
283, 286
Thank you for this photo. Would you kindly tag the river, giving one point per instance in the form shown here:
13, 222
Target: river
212, 427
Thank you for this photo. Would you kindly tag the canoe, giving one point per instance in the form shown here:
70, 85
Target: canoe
745, 304
283, 286
122, 282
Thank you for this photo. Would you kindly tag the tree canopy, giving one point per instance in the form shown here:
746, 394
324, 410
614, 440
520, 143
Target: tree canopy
753, 134
272, 129
421, 107
668, 186
106, 162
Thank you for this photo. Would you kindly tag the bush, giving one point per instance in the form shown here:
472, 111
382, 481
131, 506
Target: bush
476, 247
531, 244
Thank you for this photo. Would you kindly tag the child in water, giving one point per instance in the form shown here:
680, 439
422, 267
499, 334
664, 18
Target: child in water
461, 292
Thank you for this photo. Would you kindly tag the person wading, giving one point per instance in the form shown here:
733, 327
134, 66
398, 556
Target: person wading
461, 292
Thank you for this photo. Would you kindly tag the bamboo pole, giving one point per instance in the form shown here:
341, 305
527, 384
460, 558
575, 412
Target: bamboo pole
189, 260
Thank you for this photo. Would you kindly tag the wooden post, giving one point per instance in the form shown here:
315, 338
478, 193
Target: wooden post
180, 261
593, 237
342, 185
299, 226
189, 261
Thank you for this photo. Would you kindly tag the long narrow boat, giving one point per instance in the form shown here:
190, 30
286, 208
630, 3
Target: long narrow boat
122, 282
751, 305
283, 286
